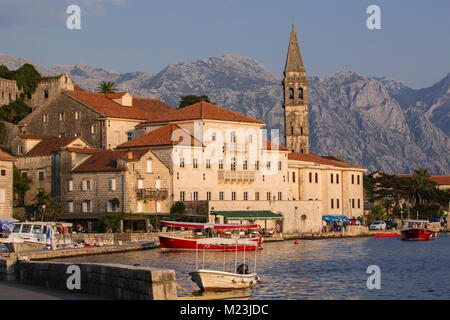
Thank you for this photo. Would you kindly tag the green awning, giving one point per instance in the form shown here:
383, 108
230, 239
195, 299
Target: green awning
248, 215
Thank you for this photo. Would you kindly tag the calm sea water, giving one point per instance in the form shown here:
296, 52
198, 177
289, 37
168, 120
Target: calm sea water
321, 269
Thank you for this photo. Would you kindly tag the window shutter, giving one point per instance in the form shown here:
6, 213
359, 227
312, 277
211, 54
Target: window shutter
158, 184
108, 206
149, 166
84, 206
70, 185
113, 184
140, 184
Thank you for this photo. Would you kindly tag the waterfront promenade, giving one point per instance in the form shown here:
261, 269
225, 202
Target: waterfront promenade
19, 291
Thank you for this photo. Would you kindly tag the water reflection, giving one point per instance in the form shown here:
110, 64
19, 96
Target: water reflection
320, 269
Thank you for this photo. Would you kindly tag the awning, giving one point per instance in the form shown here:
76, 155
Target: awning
5, 217
248, 215
335, 218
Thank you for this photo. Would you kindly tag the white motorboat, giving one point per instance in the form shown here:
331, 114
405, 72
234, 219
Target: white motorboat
27, 236
215, 280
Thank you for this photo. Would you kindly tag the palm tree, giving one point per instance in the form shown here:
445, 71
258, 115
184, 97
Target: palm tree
106, 87
387, 204
421, 187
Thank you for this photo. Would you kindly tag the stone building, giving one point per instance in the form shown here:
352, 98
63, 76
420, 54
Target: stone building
96, 182
9, 91
102, 120
39, 162
295, 105
6, 184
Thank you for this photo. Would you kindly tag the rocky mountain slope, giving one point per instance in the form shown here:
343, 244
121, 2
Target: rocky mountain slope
380, 123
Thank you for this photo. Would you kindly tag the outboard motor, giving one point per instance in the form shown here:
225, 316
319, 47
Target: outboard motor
242, 269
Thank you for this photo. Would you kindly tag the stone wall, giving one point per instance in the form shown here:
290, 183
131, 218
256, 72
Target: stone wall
112, 238
114, 281
8, 269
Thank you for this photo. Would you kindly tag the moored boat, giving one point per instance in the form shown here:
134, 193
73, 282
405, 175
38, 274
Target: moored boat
183, 241
418, 230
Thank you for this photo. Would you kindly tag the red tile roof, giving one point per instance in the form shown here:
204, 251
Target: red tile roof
316, 159
439, 179
27, 135
202, 110
107, 107
6, 157
77, 88
49, 146
151, 105
108, 160
116, 95
162, 137
267, 145
85, 150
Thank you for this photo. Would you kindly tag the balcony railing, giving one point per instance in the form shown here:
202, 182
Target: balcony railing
236, 176
152, 194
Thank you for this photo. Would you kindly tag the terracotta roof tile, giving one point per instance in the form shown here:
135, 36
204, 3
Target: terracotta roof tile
316, 159
267, 145
6, 156
162, 137
49, 146
108, 160
151, 105
439, 179
85, 150
107, 107
202, 110
27, 135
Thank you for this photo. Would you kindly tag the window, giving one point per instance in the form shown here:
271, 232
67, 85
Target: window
45, 117
353, 179
353, 203
88, 185
221, 197
45, 94
244, 165
292, 131
256, 195
61, 116
86, 206
337, 178
3, 172
280, 196
69, 206
178, 176
337, 203
195, 163
233, 136
233, 164
20, 149
149, 166
182, 194
208, 163
93, 129
77, 134
204, 176
195, 196
268, 196
220, 164
256, 165
250, 139
268, 165
310, 177
41, 175
208, 195
112, 184
357, 177
140, 184
233, 195
111, 206
62, 135
213, 136
245, 196
359, 203
301, 130
331, 178
293, 176
279, 165
317, 177
129, 136
332, 203
77, 115
181, 162
291, 93
70, 185
300, 93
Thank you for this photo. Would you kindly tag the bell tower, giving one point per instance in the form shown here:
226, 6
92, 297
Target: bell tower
295, 85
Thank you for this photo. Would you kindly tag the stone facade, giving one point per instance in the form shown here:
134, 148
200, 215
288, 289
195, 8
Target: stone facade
295, 105
48, 89
6, 184
9, 91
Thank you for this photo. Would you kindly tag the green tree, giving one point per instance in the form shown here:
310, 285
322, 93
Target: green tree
191, 99
178, 207
106, 87
387, 205
390, 186
421, 188
376, 213
3, 133
46, 207
14, 111
20, 186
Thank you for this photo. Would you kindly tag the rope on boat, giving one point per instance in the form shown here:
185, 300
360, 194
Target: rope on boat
179, 285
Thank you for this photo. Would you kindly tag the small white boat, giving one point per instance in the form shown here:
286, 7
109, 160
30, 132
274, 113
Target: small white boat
215, 280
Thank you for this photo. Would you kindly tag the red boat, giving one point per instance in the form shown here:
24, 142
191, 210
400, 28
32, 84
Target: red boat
418, 230
220, 237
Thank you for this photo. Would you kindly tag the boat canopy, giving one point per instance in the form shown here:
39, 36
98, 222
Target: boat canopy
335, 218
248, 215
226, 242
196, 225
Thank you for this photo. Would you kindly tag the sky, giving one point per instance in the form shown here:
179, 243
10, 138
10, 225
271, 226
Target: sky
413, 44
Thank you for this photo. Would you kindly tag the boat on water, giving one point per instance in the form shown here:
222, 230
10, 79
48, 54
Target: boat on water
26, 236
418, 230
216, 280
217, 235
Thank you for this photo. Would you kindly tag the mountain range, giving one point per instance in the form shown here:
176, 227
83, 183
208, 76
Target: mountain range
380, 123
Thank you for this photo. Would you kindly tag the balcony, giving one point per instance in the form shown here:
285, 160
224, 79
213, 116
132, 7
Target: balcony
152, 194
236, 176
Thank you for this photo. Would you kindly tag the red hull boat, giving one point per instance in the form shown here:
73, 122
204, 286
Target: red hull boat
386, 235
417, 230
177, 241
